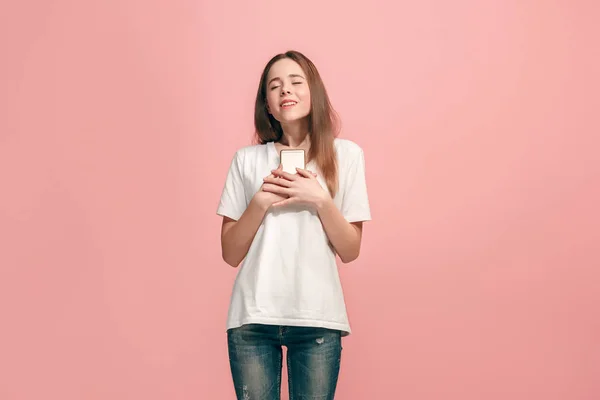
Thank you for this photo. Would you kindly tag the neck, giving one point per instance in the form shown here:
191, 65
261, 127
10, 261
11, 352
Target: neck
295, 135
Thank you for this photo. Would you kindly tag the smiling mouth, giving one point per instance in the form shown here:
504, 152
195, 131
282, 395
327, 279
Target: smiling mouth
288, 104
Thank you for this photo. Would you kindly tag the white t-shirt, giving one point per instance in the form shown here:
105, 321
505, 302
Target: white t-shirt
290, 276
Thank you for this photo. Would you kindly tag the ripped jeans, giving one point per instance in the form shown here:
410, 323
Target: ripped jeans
313, 361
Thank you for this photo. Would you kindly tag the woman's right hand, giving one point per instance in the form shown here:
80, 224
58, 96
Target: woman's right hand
265, 199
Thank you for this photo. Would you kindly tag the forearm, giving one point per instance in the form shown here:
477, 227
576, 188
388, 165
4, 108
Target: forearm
343, 235
237, 238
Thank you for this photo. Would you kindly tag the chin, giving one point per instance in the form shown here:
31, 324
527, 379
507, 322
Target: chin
286, 119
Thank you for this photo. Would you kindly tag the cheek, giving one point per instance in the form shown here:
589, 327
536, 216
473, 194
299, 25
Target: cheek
306, 99
304, 94
271, 102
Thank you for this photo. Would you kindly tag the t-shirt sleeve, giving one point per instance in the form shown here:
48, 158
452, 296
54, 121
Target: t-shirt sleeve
233, 198
355, 202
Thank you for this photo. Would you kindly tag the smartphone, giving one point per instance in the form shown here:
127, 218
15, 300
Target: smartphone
292, 159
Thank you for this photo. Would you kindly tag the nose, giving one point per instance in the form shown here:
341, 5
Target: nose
285, 89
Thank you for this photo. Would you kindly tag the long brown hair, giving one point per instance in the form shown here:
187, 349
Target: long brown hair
323, 121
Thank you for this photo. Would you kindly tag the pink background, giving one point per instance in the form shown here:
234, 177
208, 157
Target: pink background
479, 276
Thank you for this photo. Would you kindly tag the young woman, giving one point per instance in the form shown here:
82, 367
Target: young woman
287, 229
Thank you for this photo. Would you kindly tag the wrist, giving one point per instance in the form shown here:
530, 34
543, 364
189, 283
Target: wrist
323, 203
258, 205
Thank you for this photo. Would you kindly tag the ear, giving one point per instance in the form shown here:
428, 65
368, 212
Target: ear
267, 107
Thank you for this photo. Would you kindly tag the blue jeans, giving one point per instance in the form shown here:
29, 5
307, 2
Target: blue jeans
313, 361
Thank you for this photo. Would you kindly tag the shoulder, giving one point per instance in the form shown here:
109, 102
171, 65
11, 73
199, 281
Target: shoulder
347, 149
347, 146
250, 151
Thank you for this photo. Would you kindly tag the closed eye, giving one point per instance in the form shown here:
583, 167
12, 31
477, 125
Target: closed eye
293, 83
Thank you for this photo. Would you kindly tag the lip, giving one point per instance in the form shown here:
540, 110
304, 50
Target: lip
286, 101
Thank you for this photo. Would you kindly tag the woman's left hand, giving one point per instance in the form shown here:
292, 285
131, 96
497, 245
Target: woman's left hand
301, 188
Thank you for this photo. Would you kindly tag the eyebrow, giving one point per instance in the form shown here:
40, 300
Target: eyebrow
290, 75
